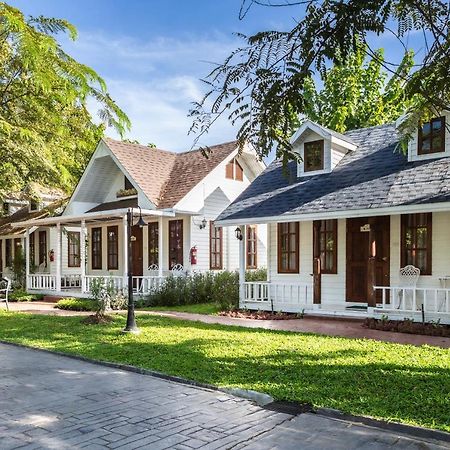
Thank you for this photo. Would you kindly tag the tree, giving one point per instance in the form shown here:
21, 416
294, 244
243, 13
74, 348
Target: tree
262, 85
357, 93
47, 134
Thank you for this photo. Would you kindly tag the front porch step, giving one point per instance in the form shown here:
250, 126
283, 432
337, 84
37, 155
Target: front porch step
52, 298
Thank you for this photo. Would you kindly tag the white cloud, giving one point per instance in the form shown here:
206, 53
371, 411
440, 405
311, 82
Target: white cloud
156, 82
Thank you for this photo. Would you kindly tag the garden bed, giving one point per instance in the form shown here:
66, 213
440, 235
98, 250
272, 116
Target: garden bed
260, 315
408, 326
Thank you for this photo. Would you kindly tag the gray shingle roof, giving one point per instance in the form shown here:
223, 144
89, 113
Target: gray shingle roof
375, 175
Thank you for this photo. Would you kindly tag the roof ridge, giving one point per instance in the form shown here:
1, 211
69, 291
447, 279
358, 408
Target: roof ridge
184, 152
133, 144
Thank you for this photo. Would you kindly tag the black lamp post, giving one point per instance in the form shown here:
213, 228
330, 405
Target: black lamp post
131, 326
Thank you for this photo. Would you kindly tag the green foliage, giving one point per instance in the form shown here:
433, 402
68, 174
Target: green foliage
18, 268
76, 304
263, 85
220, 288
20, 295
46, 131
256, 274
357, 93
402, 383
106, 296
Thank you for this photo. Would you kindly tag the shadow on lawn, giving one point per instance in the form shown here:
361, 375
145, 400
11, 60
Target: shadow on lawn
347, 377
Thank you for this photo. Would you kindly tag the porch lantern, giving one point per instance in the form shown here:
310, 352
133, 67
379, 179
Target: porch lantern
141, 222
238, 234
202, 224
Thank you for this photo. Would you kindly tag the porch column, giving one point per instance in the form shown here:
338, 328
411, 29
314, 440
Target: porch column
371, 268
58, 257
317, 269
27, 259
160, 246
242, 266
83, 255
125, 251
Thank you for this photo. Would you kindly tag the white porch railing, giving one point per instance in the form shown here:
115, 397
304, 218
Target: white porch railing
70, 281
146, 284
42, 281
276, 296
116, 281
412, 299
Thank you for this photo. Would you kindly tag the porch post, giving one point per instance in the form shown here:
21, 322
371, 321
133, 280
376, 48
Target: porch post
317, 269
58, 257
83, 255
125, 251
27, 259
371, 269
160, 246
242, 266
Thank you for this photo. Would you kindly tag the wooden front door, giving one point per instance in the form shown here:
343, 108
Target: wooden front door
137, 251
360, 233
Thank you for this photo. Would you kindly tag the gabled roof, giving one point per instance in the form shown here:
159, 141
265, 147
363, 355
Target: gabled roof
166, 177
23, 214
375, 175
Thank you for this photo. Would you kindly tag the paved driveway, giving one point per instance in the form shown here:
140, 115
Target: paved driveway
49, 401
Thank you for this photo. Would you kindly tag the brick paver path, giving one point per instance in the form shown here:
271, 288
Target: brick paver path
54, 402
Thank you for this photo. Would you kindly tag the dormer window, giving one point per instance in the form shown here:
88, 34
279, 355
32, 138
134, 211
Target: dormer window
432, 137
234, 171
313, 157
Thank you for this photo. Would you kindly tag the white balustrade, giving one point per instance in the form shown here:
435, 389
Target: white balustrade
276, 296
147, 284
411, 299
42, 281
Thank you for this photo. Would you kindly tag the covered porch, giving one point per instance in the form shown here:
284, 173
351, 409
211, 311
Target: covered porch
94, 247
351, 267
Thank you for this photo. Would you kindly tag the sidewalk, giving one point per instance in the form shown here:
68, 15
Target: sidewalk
331, 327
54, 402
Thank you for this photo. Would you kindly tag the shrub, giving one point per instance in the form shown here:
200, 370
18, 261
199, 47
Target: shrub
76, 304
20, 295
256, 275
221, 288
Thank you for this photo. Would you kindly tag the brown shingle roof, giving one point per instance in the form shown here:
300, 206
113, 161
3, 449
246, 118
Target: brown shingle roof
23, 214
166, 177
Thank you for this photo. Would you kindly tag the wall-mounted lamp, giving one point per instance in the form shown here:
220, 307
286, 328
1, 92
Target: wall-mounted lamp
141, 222
238, 234
202, 224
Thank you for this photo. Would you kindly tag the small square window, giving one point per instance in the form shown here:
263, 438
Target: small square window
313, 156
432, 137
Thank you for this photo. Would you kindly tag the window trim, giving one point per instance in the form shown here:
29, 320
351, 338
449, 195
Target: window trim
429, 242
70, 245
213, 238
296, 268
96, 265
173, 223
314, 169
32, 247
253, 239
442, 136
42, 242
319, 228
112, 245
153, 243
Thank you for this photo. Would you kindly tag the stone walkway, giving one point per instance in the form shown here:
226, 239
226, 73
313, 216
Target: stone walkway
53, 402
327, 326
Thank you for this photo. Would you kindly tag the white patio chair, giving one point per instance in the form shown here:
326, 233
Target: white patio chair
153, 269
408, 277
177, 270
41, 268
5, 287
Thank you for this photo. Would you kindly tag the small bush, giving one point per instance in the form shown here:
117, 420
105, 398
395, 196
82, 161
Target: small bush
256, 275
20, 295
76, 304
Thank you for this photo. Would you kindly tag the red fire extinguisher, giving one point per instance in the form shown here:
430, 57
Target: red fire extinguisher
193, 255
51, 255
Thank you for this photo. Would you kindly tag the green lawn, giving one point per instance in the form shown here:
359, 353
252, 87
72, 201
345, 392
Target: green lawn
402, 383
200, 308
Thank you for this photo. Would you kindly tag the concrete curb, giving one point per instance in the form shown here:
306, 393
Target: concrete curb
261, 399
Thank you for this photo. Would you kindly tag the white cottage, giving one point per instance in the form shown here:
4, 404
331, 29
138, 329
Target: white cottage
348, 219
178, 196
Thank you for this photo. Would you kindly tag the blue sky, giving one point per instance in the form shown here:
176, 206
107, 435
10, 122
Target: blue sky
152, 54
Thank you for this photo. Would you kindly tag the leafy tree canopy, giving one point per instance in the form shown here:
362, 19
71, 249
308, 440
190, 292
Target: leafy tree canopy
265, 84
46, 131
357, 92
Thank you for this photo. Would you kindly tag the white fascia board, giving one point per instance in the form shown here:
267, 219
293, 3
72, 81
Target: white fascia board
342, 143
309, 125
347, 214
113, 214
